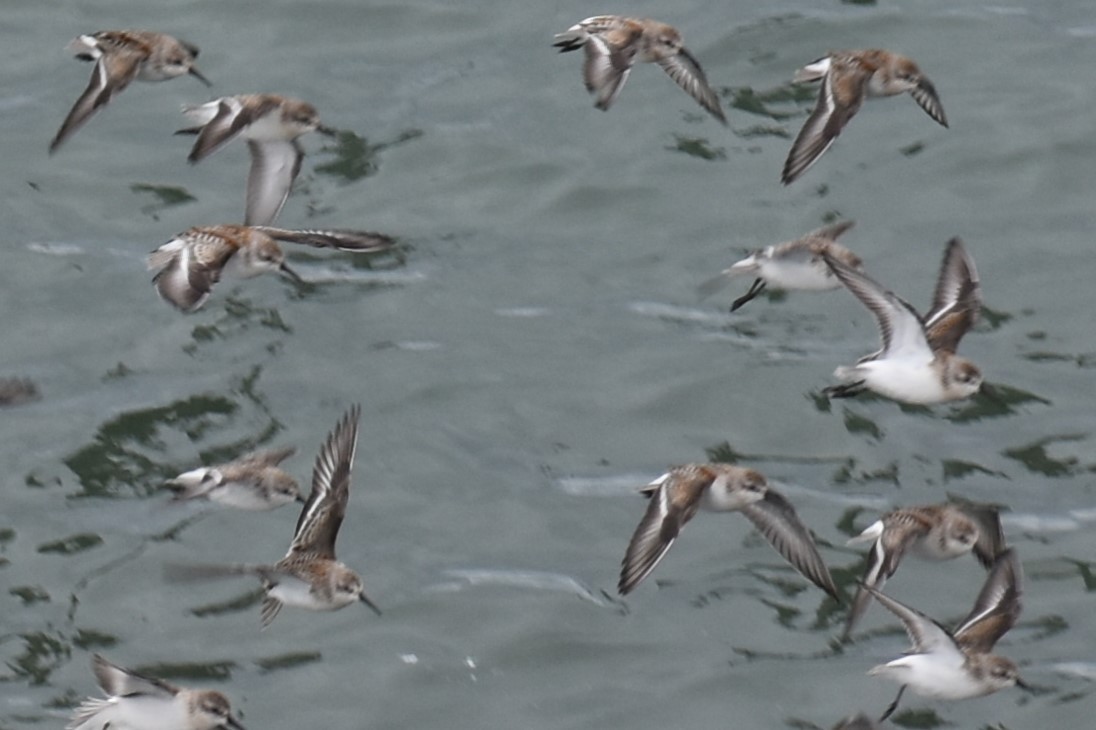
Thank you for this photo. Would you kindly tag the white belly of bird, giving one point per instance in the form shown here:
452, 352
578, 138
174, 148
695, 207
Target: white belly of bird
242, 496
149, 72
934, 676
139, 713
877, 86
717, 499
801, 275
267, 127
929, 548
246, 267
295, 592
907, 381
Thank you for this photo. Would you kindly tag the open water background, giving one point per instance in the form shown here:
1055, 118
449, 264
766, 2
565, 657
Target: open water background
538, 352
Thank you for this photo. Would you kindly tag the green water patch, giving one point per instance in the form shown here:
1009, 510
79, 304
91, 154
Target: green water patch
202, 671
163, 197
355, 157
71, 545
288, 661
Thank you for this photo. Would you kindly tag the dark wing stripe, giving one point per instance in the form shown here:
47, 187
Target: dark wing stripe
954, 273
274, 167
323, 513
925, 634
991, 537
113, 72
119, 682
813, 139
605, 70
888, 308
874, 576
956, 301
269, 610
352, 241
997, 607
213, 134
926, 97
776, 519
686, 72
653, 537
827, 119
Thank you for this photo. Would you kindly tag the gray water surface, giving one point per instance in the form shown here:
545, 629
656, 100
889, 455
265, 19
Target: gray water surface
537, 351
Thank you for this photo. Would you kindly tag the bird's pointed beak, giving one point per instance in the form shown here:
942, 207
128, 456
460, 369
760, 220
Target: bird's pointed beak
1024, 685
284, 268
327, 131
365, 599
198, 75
233, 723
300, 498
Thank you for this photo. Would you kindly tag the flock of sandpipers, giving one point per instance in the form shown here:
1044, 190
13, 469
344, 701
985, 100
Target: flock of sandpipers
917, 363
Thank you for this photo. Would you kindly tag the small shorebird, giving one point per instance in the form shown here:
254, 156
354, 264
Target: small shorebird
271, 125
959, 665
917, 363
794, 264
309, 576
120, 57
675, 498
848, 78
613, 44
933, 532
134, 702
190, 264
252, 482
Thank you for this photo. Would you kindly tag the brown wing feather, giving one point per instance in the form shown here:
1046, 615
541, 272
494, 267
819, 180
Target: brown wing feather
117, 681
672, 504
227, 123
776, 519
956, 301
605, 69
889, 309
113, 72
991, 537
686, 72
353, 241
926, 97
997, 607
838, 101
323, 513
902, 528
